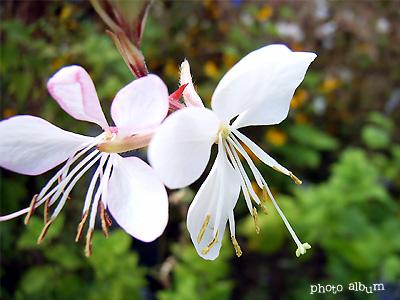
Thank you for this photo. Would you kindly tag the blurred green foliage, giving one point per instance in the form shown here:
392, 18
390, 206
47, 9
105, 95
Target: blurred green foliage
341, 138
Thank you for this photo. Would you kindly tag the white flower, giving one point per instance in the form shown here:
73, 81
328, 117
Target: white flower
127, 186
256, 91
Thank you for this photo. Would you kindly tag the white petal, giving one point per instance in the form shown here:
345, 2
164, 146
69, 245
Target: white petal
140, 106
277, 82
180, 149
137, 199
74, 91
262, 75
189, 94
30, 145
221, 188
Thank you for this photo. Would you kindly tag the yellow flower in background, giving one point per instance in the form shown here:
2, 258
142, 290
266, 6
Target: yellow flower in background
299, 98
229, 60
265, 13
330, 84
211, 69
301, 118
171, 69
276, 137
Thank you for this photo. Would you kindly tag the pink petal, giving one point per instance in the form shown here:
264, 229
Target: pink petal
74, 91
140, 106
189, 94
137, 199
30, 145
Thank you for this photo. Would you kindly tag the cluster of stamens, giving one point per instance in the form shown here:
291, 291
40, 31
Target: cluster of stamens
65, 180
227, 136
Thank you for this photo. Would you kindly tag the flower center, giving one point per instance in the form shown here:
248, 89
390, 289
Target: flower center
224, 131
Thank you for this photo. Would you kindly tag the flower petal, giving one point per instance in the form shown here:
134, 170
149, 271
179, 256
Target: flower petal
276, 89
140, 106
30, 145
74, 91
217, 198
266, 75
137, 199
180, 148
189, 94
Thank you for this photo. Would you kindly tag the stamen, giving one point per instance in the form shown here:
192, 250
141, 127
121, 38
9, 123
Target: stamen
257, 175
63, 199
108, 220
46, 210
260, 153
88, 247
264, 194
81, 225
301, 247
264, 209
255, 217
100, 189
209, 246
296, 180
276, 169
44, 231
236, 246
31, 210
60, 179
237, 166
104, 219
203, 229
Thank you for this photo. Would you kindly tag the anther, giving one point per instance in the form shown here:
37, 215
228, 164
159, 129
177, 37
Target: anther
81, 225
44, 231
209, 246
296, 180
264, 197
105, 219
276, 169
88, 247
237, 247
46, 210
31, 210
255, 217
264, 209
203, 229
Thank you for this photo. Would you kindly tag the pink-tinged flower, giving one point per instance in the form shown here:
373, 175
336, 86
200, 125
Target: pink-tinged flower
256, 91
126, 186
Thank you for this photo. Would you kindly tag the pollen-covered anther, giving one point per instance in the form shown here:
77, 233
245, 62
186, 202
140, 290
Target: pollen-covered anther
31, 210
302, 249
46, 211
81, 225
203, 229
237, 247
276, 169
209, 246
255, 217
44, 231
264, 197
88, 247
296, 180
264, 209
105, 219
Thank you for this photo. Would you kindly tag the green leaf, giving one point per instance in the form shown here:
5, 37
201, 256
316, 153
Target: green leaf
375, 137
